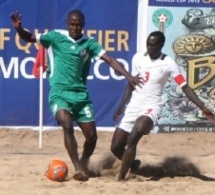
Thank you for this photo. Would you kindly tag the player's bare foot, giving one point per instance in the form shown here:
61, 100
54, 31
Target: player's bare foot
80, 176
90, 173
84, 165
135, 166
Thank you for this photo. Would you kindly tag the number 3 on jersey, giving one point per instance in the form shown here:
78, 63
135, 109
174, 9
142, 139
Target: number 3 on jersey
145, 77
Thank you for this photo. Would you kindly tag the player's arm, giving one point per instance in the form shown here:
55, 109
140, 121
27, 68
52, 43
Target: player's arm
193, 97
134, 80
126, 96
25, 35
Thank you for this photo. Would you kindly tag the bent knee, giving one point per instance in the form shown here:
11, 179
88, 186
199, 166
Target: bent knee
92, 138
115, 148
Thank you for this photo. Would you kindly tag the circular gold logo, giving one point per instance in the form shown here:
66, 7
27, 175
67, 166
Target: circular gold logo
193, 44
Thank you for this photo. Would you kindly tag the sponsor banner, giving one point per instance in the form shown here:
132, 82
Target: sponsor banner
190, 40
183, 128
182, 3
114, 29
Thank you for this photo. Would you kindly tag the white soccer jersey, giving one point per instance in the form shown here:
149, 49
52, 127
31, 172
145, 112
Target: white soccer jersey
155, 74
147, 99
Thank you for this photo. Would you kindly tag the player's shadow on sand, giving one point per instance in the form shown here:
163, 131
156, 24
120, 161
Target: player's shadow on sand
170, 167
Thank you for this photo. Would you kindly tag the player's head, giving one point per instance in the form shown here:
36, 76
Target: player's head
154, 44
75, 22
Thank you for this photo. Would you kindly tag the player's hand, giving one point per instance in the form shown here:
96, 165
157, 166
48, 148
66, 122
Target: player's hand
16, 19
209, 114
136, 80
117, 114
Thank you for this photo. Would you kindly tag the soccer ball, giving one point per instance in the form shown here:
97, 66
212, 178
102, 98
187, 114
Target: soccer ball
57, 170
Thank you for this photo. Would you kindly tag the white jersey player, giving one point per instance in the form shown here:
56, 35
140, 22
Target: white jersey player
141, 107
147, 98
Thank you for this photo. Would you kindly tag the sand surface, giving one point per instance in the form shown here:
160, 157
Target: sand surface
171, 164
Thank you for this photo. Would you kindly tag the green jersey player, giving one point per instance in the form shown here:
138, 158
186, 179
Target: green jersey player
69, 56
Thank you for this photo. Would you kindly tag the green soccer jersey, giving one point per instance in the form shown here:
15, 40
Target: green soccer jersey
69, 60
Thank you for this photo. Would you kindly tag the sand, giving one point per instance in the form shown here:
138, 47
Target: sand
171, 164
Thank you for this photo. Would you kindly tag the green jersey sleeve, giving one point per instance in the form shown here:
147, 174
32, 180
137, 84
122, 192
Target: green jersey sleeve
46, 39
95, 49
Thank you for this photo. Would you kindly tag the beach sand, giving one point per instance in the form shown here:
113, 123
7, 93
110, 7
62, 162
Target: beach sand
179, 163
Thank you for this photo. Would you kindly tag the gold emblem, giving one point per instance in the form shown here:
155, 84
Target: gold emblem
193, 44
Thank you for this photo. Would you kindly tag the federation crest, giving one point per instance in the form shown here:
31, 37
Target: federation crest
83, 52
162, 18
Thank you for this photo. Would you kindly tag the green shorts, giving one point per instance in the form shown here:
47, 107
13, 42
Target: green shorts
77, 103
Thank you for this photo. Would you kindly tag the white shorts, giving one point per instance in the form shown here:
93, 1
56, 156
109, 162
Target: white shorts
134, 111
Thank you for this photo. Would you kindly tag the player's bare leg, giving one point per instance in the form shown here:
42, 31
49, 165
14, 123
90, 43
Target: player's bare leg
65, 119
118, 145
119, 142
142, 127
89, 131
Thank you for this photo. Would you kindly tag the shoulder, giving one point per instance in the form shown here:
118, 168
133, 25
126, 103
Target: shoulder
61, 32
91, 42
89, 39
168, 59
56, 32
139, 55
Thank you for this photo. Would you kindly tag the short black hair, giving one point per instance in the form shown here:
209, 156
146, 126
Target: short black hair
76, 12
160, 36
